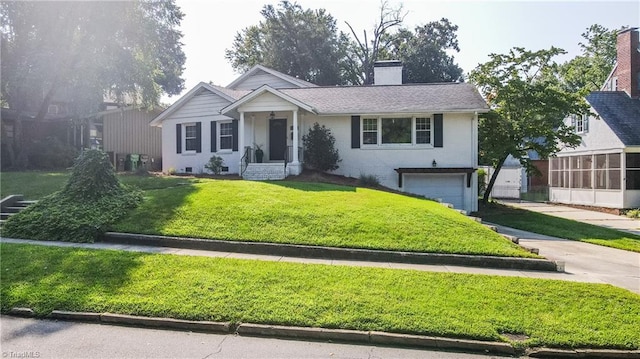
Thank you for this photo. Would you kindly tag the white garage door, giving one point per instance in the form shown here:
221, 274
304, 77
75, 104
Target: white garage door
448, 188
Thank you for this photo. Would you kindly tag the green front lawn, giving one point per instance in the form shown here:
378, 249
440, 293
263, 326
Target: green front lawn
551, 313
37, 184
31, 184
312, 214
558, 227
287, 212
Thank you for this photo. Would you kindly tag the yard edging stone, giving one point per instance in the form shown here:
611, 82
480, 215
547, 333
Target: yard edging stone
75, 316
205, 326
344, 335
552, 353
294, 250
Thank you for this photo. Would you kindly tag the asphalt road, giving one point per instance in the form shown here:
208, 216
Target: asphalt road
32, 338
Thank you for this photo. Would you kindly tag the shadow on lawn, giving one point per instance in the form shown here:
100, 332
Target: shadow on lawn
158, 207
313, 186
150, 182
65, 278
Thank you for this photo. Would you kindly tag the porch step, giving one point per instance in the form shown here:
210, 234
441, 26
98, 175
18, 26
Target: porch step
264, 172
25, 203
12, 205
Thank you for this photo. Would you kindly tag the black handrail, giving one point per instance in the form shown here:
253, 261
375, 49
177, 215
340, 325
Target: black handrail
286, 159
245, 160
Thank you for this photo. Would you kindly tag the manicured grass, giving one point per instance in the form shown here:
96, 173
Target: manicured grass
312, 214
552, 313
31, 184
287, 212
558, 227
37, 184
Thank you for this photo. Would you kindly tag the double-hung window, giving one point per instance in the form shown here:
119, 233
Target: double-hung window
581, 123
370, 131
190, 137
226, 136
423, 130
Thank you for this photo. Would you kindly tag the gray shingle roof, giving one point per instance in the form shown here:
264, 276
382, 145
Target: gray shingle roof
236, 94
409, 98
620, 112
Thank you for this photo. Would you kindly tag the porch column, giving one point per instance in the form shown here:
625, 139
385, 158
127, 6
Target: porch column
295, 138
241, 139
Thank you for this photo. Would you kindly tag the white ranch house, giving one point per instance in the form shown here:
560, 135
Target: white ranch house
416, 138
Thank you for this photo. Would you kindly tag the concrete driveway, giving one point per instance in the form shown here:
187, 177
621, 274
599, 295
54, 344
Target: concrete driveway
585, 262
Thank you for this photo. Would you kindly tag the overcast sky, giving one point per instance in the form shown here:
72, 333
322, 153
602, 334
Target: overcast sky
485, 27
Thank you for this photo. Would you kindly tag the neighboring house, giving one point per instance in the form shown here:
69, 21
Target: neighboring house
514, 182
122, 132
604, 170
511, 180
55, 124
417, 138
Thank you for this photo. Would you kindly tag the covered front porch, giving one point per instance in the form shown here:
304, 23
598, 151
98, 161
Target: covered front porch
270, 133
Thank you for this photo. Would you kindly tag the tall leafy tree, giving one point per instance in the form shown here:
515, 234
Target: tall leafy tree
424, 52
300, 42
587, 72
528, 105
82, 51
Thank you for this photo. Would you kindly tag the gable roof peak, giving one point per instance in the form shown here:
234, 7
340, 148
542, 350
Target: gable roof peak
296, 82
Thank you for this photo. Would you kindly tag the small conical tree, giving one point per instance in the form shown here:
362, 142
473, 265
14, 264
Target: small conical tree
319, 149
89, 202
92, 176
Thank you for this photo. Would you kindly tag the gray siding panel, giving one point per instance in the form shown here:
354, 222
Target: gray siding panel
204, 104
129, 132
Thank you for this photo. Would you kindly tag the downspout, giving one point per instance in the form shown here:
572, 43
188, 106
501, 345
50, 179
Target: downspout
474, 161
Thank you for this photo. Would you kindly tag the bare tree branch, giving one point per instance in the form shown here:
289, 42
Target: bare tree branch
389, 18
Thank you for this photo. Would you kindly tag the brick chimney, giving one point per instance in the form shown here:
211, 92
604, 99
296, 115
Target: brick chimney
626, 76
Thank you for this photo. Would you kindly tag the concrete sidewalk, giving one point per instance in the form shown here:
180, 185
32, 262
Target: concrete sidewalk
582, 215
582, 263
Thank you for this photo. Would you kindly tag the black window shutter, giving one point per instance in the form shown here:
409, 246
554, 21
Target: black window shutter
437, 130
234, 132
214, 137
198, 137
179, 138
355, 131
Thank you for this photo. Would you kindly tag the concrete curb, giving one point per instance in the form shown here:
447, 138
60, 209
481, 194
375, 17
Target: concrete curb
21, 312
292, 250
583, 353
75, 316
303, 332
324, 334
440, 343
199, 326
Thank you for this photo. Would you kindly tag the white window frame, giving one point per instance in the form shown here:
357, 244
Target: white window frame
379, 122
220, 136
415, 130
579, 124
185, 138
376, 131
